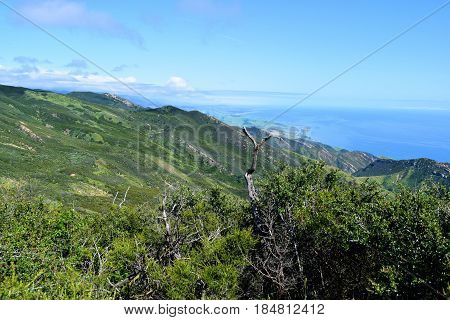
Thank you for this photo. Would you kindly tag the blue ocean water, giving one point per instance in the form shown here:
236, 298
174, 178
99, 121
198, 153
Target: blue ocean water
394, 133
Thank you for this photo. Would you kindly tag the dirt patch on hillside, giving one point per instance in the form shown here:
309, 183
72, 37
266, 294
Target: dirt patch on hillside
29, 132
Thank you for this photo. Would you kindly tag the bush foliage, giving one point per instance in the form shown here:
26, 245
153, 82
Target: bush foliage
324, 236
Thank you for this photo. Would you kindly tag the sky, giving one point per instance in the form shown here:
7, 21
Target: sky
211, 52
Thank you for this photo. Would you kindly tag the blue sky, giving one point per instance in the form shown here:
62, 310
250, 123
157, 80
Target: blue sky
232, 52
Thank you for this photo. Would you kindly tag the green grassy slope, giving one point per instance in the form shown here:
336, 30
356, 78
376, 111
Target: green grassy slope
348, 161
65, 148
84, 148
408, 172
81, 152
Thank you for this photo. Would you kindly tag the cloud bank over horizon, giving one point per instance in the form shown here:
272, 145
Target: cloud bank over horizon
176, 90
76, 76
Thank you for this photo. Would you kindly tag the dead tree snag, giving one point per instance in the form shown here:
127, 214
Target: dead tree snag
252, 194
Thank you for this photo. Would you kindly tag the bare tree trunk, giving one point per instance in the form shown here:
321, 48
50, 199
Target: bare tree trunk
277, 259
252, 193
171, 247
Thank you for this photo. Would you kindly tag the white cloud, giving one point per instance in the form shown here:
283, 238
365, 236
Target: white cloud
72, 14
175, 91
43, 78
97, 79
178, 83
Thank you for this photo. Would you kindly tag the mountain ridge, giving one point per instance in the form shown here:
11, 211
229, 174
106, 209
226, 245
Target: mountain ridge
410, 172
110, 99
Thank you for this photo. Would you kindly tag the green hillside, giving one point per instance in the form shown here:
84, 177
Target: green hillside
86, 148
408, 172
74, 151
348, 161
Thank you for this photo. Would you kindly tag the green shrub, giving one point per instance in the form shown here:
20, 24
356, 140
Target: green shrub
333, 238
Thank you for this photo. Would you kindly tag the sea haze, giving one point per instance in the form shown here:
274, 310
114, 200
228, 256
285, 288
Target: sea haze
393, 133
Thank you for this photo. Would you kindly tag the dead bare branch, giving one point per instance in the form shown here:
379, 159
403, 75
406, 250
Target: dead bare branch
115, 197
252, 194
124, 198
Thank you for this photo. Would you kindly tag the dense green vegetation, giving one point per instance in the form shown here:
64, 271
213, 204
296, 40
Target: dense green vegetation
319, 235
408, 172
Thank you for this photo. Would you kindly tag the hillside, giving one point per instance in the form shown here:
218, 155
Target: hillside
348, 161
80, 152
408, 172
88, 149
85, 153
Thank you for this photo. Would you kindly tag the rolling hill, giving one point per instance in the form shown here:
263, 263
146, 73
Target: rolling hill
90, 149
75, 151
408, 172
